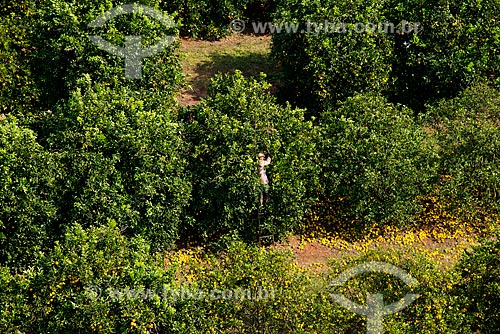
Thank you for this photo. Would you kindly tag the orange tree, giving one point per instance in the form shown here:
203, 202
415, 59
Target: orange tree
124, 159
466, 129
455, 44
17, 89
238, 120
377, 160
322, 67
210, 19
477, 290
28, 200
52, 45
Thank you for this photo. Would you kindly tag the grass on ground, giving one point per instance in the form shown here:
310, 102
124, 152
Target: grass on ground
201, 60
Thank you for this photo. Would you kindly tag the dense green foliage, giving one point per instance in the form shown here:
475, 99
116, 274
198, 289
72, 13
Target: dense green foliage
17, 91
77, 286
436, 309
377, 160
98, 281
210, 19
28, 200
238, 120
479, 286
111, 154
204, 19
124, 158
103, 147
469, 146
101, 176
52, 50
322, 68
456, 44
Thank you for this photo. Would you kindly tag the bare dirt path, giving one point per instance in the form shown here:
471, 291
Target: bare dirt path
315, 253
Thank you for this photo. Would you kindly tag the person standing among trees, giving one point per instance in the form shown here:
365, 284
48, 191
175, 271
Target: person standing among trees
264, 160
